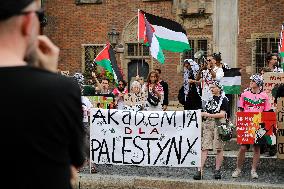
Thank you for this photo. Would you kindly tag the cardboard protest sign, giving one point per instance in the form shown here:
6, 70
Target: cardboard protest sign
133, 101
280, 144
256, 128
146, 138
280, 113
280, 124
271, 82
102, 101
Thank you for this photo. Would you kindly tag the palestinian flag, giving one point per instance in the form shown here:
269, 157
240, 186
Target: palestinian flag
232, 81
106, 59
281, 42
161, 34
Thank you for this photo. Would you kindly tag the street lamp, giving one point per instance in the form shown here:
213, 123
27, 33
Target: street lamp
113, 37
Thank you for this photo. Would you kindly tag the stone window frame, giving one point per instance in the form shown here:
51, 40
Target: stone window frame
79, 2
253, 40
198, 38
136, 54
97, 46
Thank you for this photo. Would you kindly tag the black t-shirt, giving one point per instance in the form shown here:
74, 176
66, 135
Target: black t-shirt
212, 105
41, 127
166, 92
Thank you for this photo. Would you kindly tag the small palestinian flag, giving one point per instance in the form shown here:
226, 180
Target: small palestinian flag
231, 81
161, 34
106, 59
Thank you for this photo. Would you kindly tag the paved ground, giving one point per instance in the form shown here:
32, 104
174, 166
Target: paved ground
271, 170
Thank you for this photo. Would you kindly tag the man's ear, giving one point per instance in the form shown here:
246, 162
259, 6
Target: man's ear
27, 24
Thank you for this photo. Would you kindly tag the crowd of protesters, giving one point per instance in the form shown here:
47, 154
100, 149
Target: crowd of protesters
201, 89
52, 138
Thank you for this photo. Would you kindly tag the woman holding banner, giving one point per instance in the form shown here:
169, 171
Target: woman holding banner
215, 109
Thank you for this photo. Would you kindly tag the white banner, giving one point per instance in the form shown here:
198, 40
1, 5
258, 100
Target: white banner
145, 138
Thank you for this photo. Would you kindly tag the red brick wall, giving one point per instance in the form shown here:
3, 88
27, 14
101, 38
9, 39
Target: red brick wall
70, 25
259, 16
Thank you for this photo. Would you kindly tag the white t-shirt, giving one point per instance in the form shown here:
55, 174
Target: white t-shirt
207, 79
86, 105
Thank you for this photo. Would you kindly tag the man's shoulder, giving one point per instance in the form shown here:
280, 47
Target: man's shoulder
53, 82
49, 76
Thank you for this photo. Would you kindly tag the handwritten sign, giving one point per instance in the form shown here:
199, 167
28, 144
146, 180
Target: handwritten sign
280, 144
271, 82
146, 138
133, 101
102, 101
280, 113
280, 124
256, 128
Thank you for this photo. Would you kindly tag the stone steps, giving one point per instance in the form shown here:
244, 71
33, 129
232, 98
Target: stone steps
99, 181
270, 170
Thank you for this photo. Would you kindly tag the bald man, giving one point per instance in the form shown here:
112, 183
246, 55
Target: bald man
42, 132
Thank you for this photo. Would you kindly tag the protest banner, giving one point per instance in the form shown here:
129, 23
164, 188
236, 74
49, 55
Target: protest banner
256, 128
133, 101
271, 82
102, 101
146, 138
280, 124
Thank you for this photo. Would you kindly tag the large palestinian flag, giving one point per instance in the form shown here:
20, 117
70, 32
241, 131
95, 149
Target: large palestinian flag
281, 43
232, 81
161, 34
106, 59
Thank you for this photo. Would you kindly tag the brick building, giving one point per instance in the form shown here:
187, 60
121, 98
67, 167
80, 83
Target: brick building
242, 30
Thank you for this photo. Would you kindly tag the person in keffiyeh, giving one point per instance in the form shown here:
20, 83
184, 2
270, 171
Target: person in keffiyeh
252, 100
189, 94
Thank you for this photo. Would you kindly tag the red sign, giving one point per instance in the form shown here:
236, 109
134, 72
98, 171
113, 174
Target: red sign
256, 127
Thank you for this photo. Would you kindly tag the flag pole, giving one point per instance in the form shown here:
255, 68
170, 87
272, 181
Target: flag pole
138, 42
138, 54
142, 51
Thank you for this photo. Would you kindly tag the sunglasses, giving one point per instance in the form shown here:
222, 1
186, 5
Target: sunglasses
39, 13
208, 60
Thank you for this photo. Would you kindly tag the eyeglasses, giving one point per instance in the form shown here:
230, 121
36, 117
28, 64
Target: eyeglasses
40, 15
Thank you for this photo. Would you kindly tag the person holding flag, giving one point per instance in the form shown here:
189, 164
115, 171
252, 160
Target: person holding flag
106, 59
